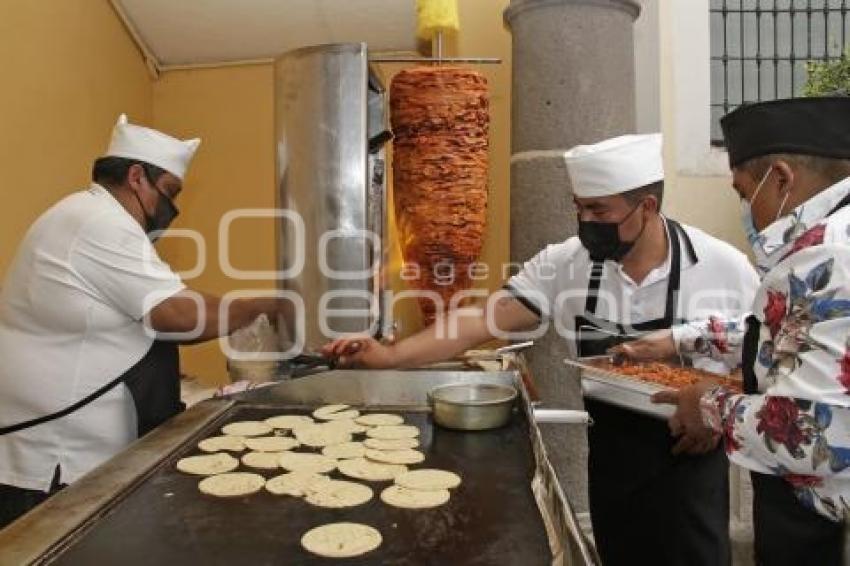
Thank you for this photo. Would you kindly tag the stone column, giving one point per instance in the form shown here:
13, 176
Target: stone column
573, 83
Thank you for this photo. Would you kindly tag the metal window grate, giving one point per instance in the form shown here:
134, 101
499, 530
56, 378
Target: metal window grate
759, 49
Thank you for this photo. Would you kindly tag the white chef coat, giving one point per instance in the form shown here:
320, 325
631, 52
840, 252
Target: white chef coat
554, 284
71, 313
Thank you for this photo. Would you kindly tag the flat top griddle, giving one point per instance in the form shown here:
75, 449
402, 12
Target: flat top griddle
492, 518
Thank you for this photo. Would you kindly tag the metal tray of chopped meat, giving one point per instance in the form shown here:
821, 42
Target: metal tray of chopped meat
624, 391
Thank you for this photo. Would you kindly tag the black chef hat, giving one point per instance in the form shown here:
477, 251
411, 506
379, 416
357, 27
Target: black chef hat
805, 126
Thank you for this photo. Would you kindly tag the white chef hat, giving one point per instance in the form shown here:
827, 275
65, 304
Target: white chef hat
144, 144
615, 165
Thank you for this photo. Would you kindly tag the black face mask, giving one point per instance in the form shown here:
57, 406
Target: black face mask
163, 215
602, 239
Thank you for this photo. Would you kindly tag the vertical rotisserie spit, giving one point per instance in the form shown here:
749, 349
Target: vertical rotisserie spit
440, 120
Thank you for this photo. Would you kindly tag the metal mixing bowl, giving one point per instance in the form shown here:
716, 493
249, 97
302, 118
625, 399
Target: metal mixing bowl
472, 406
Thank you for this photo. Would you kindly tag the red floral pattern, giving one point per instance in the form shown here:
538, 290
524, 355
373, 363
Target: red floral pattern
844, 376
729, 440
774, 311
802, 481
800, 436
811, 237
777, 420
719, 335
727, 425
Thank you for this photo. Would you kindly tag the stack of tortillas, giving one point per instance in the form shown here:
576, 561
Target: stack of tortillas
420, 489
308, 448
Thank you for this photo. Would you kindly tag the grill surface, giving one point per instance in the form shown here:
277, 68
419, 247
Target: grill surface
492, 518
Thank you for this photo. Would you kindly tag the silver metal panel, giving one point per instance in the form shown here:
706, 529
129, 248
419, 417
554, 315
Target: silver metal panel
377, 211
622, 391
321, 129
625, 393
568, 543
378, 124
386, 388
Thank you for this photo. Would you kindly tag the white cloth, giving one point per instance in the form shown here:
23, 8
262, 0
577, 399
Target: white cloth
555, 281
144, 144
70, 322
615, 165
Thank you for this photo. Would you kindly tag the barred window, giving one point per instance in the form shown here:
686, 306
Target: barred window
759, 49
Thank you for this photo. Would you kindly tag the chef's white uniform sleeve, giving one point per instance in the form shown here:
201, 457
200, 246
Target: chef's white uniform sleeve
535, 286
117, 263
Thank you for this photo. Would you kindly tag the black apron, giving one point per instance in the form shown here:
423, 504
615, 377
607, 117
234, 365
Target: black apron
648, 506
154, 382
786, 532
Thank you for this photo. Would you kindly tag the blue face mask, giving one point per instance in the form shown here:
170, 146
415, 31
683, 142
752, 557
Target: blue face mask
764, 260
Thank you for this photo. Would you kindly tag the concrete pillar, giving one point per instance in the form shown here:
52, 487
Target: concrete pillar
573, 83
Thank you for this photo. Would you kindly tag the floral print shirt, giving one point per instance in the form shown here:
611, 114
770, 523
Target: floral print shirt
798, 425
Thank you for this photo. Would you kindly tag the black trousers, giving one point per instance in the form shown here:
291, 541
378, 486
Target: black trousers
789, 534
16, 501
648, 506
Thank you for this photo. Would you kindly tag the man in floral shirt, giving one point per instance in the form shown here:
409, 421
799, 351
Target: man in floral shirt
790, 162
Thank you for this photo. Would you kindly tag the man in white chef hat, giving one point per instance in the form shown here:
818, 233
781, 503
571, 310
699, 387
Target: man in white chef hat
655, 497
82, 309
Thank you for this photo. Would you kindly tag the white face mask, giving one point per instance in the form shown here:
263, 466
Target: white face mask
764, 260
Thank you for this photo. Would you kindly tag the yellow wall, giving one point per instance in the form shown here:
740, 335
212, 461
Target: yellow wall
69, 70
231, 110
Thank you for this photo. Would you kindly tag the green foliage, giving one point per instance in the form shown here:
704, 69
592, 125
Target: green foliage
828, 77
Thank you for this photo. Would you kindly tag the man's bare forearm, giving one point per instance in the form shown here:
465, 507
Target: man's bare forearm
186, 312
443, 340
461, 330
